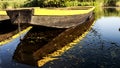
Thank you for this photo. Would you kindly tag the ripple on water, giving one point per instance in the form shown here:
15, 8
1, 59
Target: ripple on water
0, 61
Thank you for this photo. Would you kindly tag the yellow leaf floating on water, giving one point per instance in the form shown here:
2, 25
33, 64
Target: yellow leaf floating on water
83, 59
45, 60
80, 46
113, 54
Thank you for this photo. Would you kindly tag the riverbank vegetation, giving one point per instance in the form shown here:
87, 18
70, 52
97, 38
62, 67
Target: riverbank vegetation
11, 4
68, 3
56, 3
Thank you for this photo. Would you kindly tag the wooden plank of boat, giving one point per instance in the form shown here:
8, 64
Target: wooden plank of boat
3, 12
56, 17
3, 15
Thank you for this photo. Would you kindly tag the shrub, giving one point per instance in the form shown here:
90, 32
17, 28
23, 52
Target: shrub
71, 3
3, 5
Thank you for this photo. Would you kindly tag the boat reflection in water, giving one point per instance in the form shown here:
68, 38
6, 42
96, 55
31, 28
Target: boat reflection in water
52, 29
35, 39
41, 41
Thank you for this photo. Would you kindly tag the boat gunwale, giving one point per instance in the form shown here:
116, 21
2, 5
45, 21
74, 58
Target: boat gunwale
62, 12
67, 11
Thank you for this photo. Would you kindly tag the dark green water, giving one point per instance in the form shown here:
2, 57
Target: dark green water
99, 49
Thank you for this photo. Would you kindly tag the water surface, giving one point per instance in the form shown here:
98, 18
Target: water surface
6, 55
99, 49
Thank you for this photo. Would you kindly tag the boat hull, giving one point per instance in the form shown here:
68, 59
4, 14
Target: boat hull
60, 21
50, 20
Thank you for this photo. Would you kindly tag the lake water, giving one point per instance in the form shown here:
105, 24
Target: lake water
6, 54
99, 49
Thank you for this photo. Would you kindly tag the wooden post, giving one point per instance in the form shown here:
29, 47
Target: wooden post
19, 28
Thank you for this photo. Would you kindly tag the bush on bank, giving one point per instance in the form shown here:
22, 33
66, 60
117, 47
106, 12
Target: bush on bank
56, 3
5, 5
43, 3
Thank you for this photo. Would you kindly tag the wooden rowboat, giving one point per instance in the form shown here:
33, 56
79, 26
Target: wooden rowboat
51, 17
41, 41
55, 29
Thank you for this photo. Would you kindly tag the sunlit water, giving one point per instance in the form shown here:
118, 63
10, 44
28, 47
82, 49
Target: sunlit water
99, 49
109, 27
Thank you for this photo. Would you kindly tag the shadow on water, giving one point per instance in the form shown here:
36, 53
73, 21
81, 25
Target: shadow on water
8, 29
6, 26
